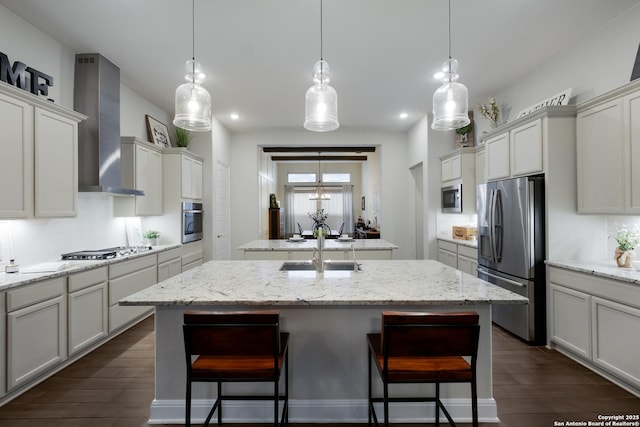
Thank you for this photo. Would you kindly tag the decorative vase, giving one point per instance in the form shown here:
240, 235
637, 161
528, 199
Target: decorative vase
152, 242
623, 258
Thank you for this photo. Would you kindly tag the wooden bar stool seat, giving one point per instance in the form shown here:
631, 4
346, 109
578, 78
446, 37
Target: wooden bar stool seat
238, 346
424, 348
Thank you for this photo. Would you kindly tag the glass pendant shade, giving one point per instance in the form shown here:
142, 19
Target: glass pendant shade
450, 101
193, 108
321, 102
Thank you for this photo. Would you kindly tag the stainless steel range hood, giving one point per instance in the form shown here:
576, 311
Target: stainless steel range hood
97, 95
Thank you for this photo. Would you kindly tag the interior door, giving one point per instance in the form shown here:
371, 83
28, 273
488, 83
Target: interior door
221, 211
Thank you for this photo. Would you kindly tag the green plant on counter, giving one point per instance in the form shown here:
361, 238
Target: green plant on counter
151, 234
183, 137
627, 238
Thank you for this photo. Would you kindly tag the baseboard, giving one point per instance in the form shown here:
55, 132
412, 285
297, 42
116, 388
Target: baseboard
320, 411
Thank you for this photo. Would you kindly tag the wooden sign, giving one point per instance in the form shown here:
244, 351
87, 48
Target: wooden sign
561, 98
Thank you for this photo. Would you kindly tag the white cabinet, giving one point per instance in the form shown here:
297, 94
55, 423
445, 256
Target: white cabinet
459, 167
36, 330
497, 152
608, 152
141, 166
39, 156
56, 164
169, 263
530, 144
191, 255
597, 321
3, 354
182, 174
16, 159
570, 312
191, 178
458, 256
600, 165
468, 260
481, 165
126, 278
525, 149
87, 303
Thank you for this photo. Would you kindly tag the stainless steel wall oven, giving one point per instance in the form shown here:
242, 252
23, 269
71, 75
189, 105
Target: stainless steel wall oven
191, 221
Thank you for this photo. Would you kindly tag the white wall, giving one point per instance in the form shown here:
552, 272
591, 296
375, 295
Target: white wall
393, 173
39, 240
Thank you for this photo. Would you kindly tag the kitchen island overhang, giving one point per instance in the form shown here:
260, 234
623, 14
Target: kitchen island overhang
328, 316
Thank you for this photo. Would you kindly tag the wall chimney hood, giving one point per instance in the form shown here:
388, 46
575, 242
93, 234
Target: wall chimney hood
97, 95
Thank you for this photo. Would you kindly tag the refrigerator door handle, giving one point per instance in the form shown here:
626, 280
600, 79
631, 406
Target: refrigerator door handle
498, 227
491, 232
509, 281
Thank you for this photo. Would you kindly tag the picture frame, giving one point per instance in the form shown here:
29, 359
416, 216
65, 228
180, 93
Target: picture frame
363, 203
157, 132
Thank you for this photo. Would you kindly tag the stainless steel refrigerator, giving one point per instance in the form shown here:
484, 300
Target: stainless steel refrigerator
511, 251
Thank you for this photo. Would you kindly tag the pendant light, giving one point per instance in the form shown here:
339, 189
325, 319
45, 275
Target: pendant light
451, 100
193, 102
321, 100
319, 195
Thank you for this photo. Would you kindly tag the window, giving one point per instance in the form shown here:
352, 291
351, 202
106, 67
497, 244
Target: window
336, 177
301, 177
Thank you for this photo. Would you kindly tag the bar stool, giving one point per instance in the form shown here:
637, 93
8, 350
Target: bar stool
237, 346
424, 348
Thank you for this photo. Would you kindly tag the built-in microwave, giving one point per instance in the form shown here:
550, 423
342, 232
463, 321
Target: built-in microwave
191, 221
452, 199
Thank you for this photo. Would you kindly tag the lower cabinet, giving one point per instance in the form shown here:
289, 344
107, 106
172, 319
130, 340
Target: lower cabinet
459, 256
191, 255
3, 354
468, 260
36, 330
88, 308
597, 320
126, 278
169, 264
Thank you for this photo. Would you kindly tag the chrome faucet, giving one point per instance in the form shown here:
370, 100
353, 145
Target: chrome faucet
317, 257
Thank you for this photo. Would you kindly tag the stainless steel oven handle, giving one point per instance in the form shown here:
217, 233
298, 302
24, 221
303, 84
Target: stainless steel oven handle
511, 282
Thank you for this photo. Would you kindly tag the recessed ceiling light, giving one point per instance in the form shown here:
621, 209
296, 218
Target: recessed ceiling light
234, 116
403, 115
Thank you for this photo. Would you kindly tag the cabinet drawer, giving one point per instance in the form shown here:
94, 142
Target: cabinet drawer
168, 255
127, 267
447, 246
468, 251
33, 294
87, 278
124, 286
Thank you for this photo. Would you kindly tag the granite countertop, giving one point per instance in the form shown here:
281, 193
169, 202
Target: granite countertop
62, 268
310, 244
469, 243
602, 269
389, 282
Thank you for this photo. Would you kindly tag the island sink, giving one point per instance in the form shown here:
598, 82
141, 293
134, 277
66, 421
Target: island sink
328, 266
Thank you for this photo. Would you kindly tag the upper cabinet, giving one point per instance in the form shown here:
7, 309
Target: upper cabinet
39, 156
608, 152
459, 167
184, 169
526, 145
141, 163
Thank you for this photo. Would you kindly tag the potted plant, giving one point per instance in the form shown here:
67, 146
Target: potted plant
491, 112
151, 237
627, 241
183, 137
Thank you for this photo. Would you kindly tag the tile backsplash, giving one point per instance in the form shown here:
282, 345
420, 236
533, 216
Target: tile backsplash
45, 239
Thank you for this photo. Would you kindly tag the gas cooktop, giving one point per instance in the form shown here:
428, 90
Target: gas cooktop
109, 253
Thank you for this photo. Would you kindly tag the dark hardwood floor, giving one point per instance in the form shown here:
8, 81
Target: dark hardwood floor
113, 387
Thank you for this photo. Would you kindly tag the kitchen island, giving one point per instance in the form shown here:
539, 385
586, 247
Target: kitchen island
336, 249
328, 315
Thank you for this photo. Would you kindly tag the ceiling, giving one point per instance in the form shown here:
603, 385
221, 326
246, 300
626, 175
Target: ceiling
259, 54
